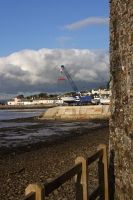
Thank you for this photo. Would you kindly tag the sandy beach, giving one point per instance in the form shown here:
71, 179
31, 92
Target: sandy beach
42, 161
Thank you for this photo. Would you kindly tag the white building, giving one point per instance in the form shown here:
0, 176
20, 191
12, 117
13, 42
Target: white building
13, 101
101, 92
43, 101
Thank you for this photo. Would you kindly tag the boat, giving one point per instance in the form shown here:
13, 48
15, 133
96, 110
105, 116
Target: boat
69, 99
105, 101
95, 101
100, 101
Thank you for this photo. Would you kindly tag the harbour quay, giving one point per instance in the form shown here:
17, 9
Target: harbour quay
77, 112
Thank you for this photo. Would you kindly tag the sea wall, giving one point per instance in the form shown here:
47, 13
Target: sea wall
121, 120
77, 112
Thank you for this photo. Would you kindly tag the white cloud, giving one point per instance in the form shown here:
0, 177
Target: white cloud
87, 22
30, 71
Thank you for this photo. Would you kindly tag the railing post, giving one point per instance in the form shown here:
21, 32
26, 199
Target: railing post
38, 188
101, 176
105, 167
81, 180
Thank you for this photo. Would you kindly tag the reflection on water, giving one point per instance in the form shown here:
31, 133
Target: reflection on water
17, 134
22, 113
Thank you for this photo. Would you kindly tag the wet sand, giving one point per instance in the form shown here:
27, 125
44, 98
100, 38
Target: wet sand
39, 162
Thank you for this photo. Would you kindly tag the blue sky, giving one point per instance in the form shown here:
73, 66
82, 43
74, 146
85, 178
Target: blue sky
32, 24
40, 36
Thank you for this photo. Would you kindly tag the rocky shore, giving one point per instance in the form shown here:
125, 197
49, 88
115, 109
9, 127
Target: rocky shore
40, 162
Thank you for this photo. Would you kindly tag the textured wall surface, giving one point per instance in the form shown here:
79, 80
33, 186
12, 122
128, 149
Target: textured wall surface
121, 69
77, 112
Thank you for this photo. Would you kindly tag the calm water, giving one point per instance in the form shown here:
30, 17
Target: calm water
23, 113
16, 134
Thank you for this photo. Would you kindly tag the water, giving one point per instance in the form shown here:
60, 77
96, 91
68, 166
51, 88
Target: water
22, 132
14, 114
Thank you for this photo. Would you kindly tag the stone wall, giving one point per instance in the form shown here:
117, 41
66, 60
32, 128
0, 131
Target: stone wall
77, 112
121, 121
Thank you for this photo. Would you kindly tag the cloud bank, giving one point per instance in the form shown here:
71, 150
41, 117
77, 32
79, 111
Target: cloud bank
87, 22
30, 71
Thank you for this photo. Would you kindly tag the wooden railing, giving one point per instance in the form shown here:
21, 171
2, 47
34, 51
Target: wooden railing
38, 191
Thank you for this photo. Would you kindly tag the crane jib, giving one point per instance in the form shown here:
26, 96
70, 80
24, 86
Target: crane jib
70, 79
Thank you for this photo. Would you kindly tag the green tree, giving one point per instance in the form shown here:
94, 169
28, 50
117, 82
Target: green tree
102, 87
70, 94
42, 95
21, 96
53, 95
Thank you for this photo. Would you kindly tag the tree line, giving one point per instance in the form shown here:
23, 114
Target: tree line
35, 96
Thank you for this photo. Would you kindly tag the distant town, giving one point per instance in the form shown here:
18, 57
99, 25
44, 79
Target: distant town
44, 98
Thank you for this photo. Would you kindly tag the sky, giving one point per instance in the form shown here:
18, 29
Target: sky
38, 36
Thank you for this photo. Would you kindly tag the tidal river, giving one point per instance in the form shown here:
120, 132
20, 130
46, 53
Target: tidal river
18, 127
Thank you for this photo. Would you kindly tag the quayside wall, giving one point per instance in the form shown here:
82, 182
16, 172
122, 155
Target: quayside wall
77, 112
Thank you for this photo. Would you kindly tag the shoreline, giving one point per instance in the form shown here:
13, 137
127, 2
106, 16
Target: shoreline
35, 125
7, 151
42, 106
42, 161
